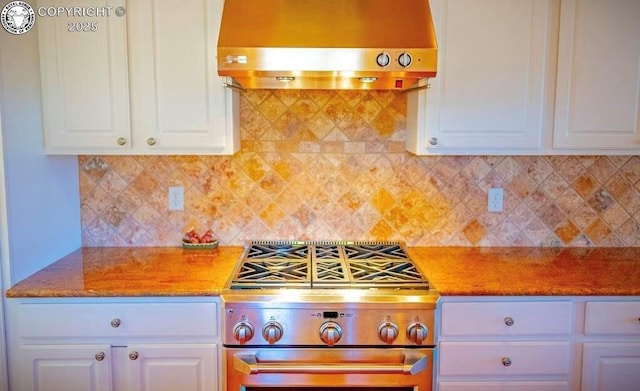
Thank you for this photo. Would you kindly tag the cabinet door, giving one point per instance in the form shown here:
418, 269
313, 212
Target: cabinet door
504, 386
611, 366
598, 85
179, 103
65, 368
184, 367
83, 66
489, 90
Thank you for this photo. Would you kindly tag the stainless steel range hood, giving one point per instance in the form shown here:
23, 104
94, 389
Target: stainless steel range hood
327, 44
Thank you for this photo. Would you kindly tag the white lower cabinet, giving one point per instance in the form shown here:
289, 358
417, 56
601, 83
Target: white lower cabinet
497, 344
611, 348
102, 345
504, 386
157, 367
64, 368
611, 366
164, 367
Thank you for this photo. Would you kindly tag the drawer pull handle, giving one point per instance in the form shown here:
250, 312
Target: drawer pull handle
151, 141
506, 361
115, 323
433, 141
509, 321
99, 356
133, 356
121, 141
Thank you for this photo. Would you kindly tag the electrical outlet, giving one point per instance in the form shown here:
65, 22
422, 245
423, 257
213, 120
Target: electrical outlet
176, 198
495, 199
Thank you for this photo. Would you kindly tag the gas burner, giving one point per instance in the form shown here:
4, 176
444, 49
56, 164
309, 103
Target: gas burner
281, 264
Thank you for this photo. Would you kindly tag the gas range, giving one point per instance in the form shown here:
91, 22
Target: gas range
328, 293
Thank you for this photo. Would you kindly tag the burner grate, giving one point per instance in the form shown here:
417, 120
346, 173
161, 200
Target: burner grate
384, 270
284, 264
376, 251
278, 250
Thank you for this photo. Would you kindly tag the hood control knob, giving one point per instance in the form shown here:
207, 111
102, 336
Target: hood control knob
330, 333
243, 332
404, 60
383, 59
272, 332
388, 332
417, 332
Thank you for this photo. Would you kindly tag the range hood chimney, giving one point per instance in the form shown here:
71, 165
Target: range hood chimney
327, 44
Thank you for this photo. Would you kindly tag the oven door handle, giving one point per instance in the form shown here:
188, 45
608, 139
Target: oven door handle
249, 365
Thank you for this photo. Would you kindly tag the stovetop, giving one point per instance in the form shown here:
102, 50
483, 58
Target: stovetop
326, 264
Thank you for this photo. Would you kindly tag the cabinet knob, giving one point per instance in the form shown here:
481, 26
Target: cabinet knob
509, 321
433, 141
151, 141
506, 361
133, 355
121, 141
115, 323
99, 356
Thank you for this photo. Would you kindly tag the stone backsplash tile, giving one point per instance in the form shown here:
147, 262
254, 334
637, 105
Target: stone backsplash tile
331, 165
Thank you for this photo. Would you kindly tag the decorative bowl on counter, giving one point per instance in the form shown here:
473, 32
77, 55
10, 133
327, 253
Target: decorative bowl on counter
200, 246
192, 241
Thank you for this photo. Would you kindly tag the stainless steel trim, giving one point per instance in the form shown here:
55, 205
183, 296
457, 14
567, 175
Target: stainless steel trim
233, 87
418, 88
249, 365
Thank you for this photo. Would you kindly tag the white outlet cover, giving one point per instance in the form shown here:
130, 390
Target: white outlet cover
176, 198
495, 200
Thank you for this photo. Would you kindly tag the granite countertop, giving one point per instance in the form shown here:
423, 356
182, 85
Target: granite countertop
169, 271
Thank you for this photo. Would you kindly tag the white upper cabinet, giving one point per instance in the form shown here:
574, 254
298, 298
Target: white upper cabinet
178, 98
598, 85
489, 93
85, 92
142, 83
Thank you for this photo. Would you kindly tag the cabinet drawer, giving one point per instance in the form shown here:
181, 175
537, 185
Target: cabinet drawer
612, 317
502, 386
504, 358
129, 319
506, 318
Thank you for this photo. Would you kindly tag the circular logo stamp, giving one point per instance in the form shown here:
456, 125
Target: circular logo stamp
17, 17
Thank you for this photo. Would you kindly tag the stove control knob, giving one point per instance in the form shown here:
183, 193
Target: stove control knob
330, 332
243, 332
272, 332
388, 332
417, 332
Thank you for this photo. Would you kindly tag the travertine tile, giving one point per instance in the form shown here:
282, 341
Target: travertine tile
331, 165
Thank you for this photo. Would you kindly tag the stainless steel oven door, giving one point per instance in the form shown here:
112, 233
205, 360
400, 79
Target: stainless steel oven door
329, 368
